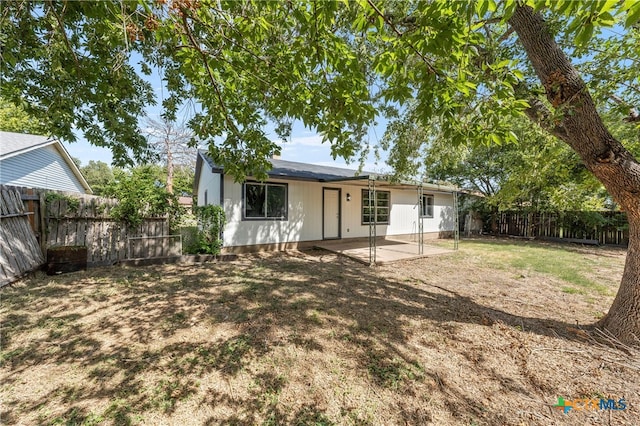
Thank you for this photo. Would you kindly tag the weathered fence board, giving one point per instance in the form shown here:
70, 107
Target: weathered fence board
19, 248
154, 247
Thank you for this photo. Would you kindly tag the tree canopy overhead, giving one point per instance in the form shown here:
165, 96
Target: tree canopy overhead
336, 66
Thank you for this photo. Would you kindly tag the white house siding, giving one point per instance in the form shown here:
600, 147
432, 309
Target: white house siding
403, 216
443, 214
40, 168
209, 182
304, 221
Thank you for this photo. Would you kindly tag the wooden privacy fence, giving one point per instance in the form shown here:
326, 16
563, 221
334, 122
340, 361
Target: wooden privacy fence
590, 227
87, 222
71, 219
19, 249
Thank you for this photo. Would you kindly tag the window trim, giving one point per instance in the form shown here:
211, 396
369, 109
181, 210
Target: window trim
266, 185
423, 215
362, 206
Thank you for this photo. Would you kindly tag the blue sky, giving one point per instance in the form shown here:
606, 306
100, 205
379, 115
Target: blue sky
305, 146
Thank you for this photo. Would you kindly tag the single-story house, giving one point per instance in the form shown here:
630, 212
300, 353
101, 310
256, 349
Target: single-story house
301, 204
35, 161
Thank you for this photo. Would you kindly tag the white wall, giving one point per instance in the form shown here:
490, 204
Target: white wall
40, 168
209, 182
304, 221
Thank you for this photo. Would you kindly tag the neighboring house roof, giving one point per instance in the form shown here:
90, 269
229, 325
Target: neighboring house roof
16, 144
185, 200
282, 169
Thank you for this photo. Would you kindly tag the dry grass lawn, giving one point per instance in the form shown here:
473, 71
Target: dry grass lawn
488, 335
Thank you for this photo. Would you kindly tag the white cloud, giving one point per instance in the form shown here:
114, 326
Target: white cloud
368, 166
311, 140
307, 147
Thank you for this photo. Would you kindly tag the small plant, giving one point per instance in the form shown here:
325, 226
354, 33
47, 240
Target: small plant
73, 204
211, 220
190, 239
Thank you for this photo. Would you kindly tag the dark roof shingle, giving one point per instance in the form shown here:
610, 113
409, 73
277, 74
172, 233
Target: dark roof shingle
304, 171
11, 142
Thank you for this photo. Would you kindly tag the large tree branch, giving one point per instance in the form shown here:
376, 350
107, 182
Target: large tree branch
64, 33
212, 79
399, 33
634, 115
541, 115
576, 113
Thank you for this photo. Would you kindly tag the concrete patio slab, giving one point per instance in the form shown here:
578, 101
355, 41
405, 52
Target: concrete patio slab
387, 250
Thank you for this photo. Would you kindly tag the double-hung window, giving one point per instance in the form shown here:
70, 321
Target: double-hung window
376, 210
426, 206
264, 201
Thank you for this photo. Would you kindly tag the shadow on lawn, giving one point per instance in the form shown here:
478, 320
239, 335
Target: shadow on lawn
278, 292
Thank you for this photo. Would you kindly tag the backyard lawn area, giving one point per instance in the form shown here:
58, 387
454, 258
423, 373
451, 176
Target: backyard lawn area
488, 335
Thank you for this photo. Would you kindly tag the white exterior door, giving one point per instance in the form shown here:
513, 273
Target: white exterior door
331, 213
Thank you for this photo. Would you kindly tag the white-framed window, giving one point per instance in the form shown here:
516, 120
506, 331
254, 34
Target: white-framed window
426, 206
264, 201
378, 212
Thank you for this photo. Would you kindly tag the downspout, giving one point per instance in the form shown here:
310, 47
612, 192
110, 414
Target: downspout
373, 216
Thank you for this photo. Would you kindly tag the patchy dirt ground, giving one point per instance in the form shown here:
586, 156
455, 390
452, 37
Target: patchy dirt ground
473, 338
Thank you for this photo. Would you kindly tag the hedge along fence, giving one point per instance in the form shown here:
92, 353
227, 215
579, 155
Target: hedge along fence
605, 228
71, 219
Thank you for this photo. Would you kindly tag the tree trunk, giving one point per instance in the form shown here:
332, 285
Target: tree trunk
577, 122
623, 319
169, 166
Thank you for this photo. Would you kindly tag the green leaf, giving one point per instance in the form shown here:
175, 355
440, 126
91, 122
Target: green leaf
607, 6
606, 19
481, 8
575, 23
633, 15
539, 5
584, 34
628, 4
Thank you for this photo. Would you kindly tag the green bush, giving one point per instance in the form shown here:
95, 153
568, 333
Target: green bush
211, 221
141, 193
190, 239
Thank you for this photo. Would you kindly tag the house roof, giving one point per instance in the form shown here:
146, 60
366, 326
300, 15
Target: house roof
301, 171
13, 144
185, 201
282, 169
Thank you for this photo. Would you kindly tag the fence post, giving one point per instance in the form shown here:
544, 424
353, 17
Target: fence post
44, 235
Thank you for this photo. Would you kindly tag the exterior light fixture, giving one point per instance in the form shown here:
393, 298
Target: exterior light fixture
348, 197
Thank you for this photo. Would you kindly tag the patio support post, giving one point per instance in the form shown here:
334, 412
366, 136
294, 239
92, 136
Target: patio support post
420, 222
373, 220
456, 220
